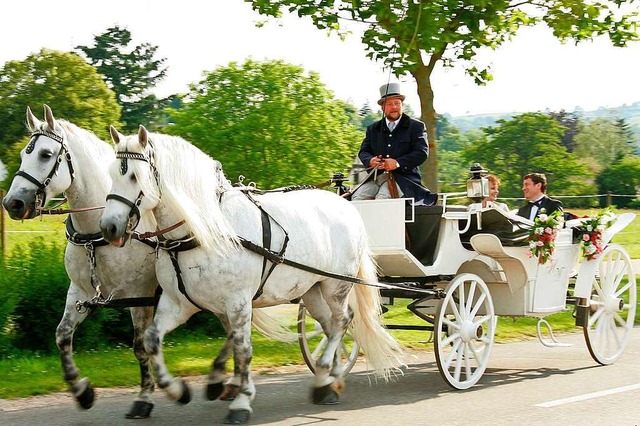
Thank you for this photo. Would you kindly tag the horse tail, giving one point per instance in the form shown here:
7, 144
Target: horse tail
270, 327
383, 353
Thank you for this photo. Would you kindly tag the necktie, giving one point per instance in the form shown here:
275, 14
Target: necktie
392, 125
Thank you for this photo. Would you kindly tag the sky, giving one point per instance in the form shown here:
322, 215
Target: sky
534, 72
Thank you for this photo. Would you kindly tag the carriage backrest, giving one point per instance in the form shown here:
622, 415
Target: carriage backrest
510, 229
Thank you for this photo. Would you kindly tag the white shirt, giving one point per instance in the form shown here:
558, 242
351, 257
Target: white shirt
534, 208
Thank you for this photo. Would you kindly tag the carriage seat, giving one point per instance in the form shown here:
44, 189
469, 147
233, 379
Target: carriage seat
511, 230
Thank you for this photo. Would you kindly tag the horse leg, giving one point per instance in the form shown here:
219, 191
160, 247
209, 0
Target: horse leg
332, 300
240, 320
171, 313
216, 387
81, 389
142, 405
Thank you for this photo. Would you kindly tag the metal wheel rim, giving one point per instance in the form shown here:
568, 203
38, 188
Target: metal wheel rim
462, 360
348, 350
608, 330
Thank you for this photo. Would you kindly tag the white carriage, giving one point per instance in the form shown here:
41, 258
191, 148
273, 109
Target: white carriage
462, 270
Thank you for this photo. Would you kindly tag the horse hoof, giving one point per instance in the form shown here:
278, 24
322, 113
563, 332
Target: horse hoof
230, 393
237, 417
186, 395
214, 390
140, 410
87, 397
325, 395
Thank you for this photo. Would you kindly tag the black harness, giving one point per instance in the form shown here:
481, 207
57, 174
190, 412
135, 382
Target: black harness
90, 242
62, 155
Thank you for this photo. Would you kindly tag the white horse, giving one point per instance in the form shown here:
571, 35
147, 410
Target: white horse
61, 157
181, 184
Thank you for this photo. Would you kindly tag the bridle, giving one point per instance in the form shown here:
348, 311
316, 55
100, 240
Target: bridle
62, 154
124, 157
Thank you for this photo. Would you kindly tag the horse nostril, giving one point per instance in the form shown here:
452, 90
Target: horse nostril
14, 206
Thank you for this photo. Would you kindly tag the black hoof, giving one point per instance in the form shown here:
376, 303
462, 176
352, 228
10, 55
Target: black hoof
230, 393
214, 390
140, 410
86, 398
186, 394
325, 395
237, 417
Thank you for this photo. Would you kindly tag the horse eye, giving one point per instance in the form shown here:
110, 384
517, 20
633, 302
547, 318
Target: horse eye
46, 154
133, 178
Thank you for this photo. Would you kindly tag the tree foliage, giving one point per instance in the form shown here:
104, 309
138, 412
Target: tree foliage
131, 71
66, 83
412, 37
570, 121
603, 141
621, 178
530, 142
270, 122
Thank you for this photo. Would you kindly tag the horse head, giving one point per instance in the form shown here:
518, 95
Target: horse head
135, 187
45, 171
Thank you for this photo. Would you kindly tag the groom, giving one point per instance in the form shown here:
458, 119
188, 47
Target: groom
534, 187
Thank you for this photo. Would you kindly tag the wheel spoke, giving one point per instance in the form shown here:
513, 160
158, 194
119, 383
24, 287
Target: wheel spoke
450, 324
459, 360
467, 364
451, 338
622, 289
472, 291
474, 352
320, 348
479, 303
454, 308
453, 353
461, 299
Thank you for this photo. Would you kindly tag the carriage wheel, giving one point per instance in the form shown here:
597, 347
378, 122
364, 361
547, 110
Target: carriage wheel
612, 306
313, 341
464, 331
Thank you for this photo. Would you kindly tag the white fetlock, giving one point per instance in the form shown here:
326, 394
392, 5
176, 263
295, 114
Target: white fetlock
319, 382
175, 389
81, 387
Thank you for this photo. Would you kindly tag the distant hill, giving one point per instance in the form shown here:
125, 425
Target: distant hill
631, 114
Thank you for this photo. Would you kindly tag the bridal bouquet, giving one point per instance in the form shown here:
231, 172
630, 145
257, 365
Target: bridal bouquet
589, 233
542, 237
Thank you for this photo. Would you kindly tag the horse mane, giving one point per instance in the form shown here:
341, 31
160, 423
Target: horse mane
190, 183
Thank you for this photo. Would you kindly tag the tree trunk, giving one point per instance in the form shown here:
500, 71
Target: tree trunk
422, 76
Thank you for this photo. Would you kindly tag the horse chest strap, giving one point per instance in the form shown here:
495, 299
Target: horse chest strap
173, 255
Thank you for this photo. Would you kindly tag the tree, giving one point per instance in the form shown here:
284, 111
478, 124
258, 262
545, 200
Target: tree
268, 121
412, 37
65, 82
131, 72
570, 121
602, 140
528, 143
621, 178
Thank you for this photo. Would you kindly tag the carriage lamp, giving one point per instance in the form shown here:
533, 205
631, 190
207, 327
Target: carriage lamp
478, 184
338, 180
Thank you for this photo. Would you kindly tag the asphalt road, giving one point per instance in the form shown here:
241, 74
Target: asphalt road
526, 383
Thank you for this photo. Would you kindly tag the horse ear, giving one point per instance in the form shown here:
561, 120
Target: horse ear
115, 135
143, 136
32, 121
48, 116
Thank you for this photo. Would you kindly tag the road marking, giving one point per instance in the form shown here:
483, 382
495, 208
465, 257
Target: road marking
588, 396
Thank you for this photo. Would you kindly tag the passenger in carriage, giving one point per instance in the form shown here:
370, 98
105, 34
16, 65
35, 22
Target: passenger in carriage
395, 146
491, 200
534, 187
